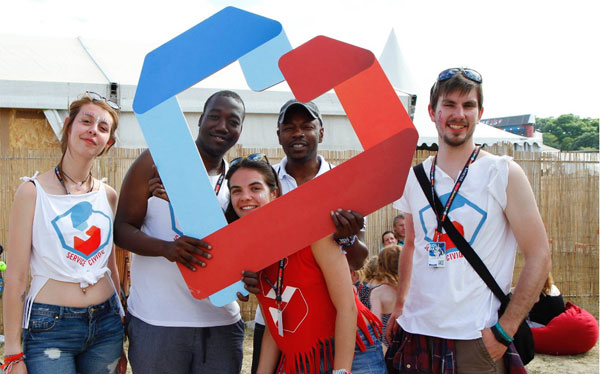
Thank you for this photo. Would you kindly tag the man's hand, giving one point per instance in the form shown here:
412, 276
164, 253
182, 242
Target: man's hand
250, 280
156, 187
493, 346
347, 222
185, 251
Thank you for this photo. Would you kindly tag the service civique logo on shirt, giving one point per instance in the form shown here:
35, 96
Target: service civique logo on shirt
83, 232
472, 218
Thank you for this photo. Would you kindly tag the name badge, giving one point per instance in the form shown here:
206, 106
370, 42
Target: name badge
279, 321
437, 254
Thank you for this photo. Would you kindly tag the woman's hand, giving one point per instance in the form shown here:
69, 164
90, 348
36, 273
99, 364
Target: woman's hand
18, 368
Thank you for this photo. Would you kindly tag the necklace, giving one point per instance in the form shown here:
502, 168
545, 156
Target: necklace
59, 172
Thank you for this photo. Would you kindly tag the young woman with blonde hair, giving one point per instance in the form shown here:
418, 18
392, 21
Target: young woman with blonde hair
383, 296
61, 228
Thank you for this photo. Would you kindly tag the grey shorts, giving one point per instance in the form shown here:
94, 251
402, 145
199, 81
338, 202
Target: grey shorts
183, 350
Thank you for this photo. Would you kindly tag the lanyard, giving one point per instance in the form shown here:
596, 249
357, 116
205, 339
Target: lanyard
278, 291
279, 287
60, 179
220, 180
457, 185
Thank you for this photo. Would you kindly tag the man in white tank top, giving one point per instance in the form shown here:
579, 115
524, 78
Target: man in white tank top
169, 330
440, 296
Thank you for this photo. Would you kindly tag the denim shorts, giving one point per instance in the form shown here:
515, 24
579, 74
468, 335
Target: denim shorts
66, 340
371, 360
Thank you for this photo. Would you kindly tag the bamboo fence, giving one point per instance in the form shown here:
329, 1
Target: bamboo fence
565, 187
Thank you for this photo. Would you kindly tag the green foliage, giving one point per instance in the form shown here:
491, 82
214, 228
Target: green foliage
569, 132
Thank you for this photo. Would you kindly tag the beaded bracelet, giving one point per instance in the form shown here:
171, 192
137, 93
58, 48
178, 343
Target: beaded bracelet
345, 242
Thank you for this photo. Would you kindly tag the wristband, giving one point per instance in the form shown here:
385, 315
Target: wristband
345, 242
11, 360
13, 357
341, 371
501, 335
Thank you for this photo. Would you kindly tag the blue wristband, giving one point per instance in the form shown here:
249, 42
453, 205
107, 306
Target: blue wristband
503, 333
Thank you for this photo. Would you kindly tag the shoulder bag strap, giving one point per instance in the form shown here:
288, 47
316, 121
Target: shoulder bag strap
460, 242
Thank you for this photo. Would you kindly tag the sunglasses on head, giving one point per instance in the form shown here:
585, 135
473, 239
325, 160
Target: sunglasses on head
259, 157
97, 97
466, 72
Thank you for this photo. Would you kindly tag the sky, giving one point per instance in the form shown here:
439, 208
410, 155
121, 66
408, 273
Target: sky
536, 57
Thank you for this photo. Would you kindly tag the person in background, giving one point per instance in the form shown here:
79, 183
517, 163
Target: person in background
399, 229
60, 227
388, 238
549, 305
383, 297
369, 282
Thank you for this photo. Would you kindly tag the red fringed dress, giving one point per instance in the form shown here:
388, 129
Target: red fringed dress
308, 314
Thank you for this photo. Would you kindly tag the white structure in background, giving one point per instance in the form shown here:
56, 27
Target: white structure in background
398, 71
48, 73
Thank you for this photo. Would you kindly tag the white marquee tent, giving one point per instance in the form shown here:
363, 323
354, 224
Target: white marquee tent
48, 73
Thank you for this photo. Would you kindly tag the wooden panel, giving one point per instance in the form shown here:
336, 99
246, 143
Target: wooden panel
29, 129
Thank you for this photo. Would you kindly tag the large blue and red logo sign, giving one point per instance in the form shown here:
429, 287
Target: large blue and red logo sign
266, 57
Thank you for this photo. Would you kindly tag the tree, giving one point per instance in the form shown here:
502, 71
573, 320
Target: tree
569, 132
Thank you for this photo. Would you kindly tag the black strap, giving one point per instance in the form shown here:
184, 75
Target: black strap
463, 246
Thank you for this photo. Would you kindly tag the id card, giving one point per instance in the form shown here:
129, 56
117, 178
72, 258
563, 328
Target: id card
437, 254
279, 321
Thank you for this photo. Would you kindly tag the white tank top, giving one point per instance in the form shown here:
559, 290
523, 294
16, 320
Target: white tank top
453, 302
72, 239
159, 295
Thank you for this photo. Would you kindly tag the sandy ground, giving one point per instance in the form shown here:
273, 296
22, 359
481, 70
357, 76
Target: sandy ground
586, 363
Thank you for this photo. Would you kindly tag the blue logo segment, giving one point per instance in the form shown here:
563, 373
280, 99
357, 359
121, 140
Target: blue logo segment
225, 37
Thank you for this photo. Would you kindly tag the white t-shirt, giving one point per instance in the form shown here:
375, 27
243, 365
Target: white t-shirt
453, 302
159, 295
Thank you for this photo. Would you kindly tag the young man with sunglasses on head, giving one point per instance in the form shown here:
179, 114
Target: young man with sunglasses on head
169, 330
443, 307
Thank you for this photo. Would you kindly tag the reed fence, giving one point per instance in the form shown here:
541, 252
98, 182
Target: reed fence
565, 187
